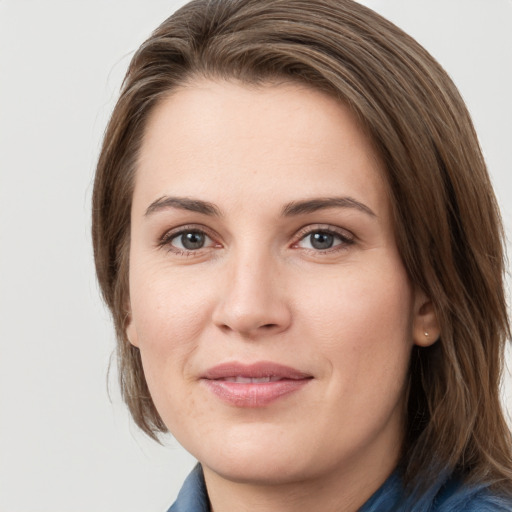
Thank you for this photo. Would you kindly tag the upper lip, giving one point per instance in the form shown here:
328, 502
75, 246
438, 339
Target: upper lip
256, 370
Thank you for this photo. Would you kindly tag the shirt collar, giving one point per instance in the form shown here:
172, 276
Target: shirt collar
192, 496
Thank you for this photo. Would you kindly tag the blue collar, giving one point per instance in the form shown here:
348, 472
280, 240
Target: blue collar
449, 496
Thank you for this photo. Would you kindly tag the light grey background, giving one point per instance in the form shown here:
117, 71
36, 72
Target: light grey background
64, 445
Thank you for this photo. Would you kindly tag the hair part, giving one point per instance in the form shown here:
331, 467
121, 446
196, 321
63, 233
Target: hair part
446, 218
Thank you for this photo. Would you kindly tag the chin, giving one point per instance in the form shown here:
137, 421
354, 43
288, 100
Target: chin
263, 470
256, 455
259, 459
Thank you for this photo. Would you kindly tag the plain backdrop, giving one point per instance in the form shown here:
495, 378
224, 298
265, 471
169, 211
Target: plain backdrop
65, 445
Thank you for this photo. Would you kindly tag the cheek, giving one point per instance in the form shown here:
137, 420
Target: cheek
167, 319
363, 329
166, 308
167, 322
363, 322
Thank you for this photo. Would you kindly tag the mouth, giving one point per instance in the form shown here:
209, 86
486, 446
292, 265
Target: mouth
254, 385
250, 380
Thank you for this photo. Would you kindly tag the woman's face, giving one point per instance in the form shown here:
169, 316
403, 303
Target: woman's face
271, 308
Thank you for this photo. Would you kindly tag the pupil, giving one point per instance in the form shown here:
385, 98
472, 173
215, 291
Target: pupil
322, 240
192, 240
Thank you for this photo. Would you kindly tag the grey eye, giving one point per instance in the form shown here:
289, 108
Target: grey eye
321, 240
190, 240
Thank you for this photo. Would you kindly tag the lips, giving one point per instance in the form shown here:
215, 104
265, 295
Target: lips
250, 380
254, 385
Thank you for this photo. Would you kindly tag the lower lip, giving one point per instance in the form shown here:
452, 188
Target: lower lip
252, 395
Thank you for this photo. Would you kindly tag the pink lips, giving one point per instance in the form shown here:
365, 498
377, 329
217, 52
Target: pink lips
254, 385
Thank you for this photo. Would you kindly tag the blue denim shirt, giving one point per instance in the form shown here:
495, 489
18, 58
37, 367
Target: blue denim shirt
449, 497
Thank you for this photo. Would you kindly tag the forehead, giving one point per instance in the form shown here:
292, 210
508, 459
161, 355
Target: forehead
281, 139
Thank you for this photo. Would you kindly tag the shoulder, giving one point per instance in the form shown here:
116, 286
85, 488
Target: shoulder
457, 497
451, 495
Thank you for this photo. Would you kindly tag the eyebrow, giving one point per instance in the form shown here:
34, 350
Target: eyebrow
183, 203
291, 209
323, 203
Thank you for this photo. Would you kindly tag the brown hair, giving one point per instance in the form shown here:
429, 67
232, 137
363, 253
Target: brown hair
446, 218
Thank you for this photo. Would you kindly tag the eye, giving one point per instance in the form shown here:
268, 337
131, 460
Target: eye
190, 240
323, 240
187, 240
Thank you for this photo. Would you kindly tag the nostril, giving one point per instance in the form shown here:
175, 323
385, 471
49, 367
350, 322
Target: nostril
251, 317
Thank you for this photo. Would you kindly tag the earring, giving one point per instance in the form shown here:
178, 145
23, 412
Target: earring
426, 334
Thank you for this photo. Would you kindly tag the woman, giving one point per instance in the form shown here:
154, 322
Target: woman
297, 237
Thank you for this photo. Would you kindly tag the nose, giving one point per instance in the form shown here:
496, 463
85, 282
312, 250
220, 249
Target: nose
253, 299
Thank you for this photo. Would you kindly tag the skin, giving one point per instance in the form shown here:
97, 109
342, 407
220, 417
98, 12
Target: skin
259, 290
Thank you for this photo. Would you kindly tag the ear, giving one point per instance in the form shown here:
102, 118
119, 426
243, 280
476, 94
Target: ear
425, 328
130, 330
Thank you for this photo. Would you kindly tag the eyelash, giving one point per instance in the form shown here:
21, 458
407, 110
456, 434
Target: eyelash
343, 236
345, 239
167, 238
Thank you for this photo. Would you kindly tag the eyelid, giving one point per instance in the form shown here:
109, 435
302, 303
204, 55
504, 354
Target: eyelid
346, 236
164, 241
336, 230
